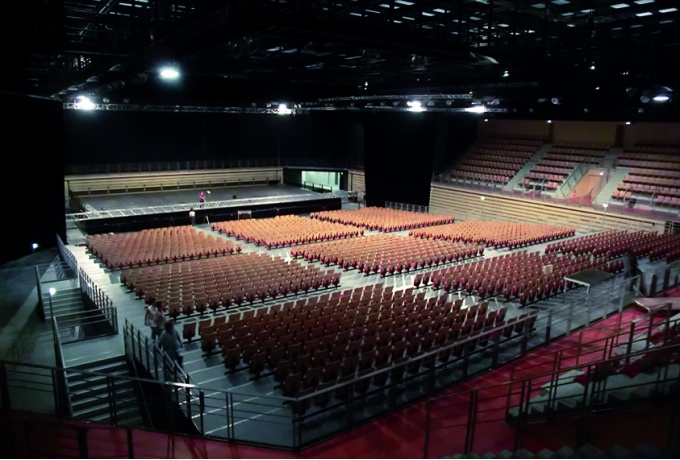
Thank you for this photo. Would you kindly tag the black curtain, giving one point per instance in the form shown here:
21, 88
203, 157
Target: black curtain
34, 180
398, 154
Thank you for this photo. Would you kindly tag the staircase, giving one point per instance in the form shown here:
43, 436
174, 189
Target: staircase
610, 157
108, 397
64, 301
524, 170
605, 195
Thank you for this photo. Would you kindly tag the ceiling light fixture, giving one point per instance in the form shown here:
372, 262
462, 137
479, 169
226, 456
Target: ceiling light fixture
169, 73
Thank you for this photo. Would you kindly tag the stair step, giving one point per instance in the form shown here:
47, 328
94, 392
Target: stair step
618, 451
545, 453
100, 387
524, 453
565, 452
590, 451
646, 450
83, 401
103, 410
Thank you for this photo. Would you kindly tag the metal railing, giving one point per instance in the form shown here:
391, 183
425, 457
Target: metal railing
407, 207
462, 416
572, 179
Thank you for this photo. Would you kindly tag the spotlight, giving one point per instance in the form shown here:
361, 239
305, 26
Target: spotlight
476, 109
169, 73
415, 106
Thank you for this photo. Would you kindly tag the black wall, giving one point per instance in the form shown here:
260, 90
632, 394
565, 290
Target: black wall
403, 149
101, 137
33, 175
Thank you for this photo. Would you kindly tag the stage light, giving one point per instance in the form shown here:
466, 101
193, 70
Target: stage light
476, 109
84, 103
283, 110
169, 73
658, 94
415, 106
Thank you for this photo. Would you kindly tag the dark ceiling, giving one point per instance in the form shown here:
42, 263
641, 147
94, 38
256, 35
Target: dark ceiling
583, 54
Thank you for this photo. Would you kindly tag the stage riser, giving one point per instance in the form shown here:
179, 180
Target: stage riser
158, 220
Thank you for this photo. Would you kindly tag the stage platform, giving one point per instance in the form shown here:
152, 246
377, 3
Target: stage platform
126, 212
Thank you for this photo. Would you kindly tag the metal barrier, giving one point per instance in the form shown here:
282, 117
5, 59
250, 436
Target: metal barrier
67, 255
572, 179
462, 415
407, 207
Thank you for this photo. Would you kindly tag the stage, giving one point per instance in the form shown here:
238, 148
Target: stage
124, 212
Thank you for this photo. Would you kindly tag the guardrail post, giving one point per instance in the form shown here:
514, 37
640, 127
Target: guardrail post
82, 443
428, 415
130, 443
4, 388
472, 421
187, 392
201, 410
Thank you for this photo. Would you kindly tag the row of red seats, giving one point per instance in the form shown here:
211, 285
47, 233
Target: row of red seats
653, 172
496, 234
281, 231
481, 177
520, 276
343, 341
196, 286
393, 371
387, 254
611, 244
668, 200
381, 219
631, 179
158, 245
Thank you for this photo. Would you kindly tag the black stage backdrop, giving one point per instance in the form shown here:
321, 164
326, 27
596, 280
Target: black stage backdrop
96, 138
403, 150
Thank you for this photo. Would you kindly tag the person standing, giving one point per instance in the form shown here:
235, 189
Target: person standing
201, 197
171, 343
192, 216
155, 319
631, 269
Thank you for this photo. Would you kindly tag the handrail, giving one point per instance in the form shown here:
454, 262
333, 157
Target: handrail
464, 413
572, 179
407, 207
62, 398
99, 298
67, 255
